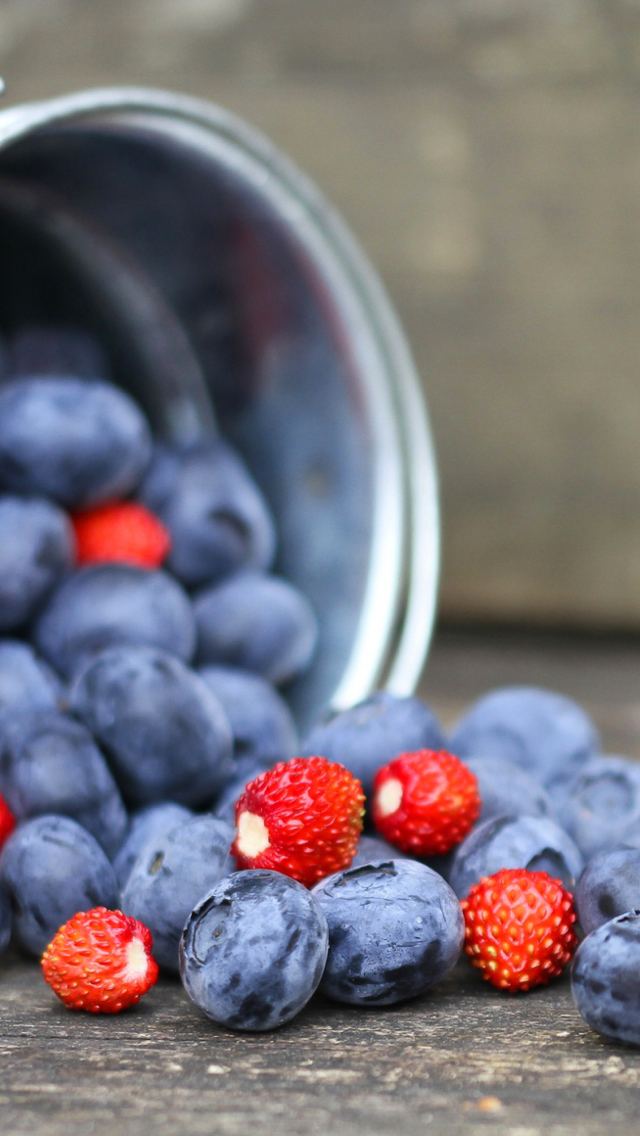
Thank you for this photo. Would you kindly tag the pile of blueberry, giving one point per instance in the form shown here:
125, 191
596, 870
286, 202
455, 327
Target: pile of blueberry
137, 702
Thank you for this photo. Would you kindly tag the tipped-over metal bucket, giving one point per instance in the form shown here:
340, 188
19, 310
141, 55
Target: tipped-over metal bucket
230, 296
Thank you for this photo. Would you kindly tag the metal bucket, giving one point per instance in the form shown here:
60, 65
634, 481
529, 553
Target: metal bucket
218, 277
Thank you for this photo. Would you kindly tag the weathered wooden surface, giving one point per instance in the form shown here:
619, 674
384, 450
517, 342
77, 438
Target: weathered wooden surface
486, 154
462, 1059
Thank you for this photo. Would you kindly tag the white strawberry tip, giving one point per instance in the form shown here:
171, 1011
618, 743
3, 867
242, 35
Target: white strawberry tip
137, 961
389, 797
253, 835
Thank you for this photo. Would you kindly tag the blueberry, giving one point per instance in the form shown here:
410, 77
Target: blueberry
602, 803
257, 623
261, 722
5, 918
608, 886
506, 790
40, 349
53, 765
546, 734
253, 950
79, 442
246, 770
171, 874
114, 604
372, 848
368, 735
148, 824
218, 519
535, 843
395, 929
53, 868
26, 682
166, 735
36, 550
604, 978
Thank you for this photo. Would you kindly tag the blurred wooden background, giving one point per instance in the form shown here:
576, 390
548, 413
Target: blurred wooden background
487, 155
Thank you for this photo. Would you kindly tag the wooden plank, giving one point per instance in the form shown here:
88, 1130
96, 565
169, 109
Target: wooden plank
462, 1058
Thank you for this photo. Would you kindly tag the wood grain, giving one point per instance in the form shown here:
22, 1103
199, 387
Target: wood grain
462, 1058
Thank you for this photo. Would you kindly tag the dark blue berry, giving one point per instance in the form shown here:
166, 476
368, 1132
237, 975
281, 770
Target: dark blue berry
261, 722
114, 604
602, 804
218, 519
245, 770
164, 732
395, 929
546, 734
604, 978
372, 848
608, 886
148, 824
26, 683
53, 765
171, 874
77, 441
535, 843
5, 918
257, 623
368, 735
506, 790
53, 868
253, 951
36, 550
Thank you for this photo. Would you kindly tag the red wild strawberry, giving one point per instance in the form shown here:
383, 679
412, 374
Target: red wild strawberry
7, 821
302, 818
122, 531
519, 928
100, 961
425, 802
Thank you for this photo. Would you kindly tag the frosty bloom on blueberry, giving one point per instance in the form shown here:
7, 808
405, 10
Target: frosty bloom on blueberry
534, 843
51, 764
395, 929
5, 918
171, 874
542, 732
253, 950
76, 440
373, 732
604, 978
609, 886
52, 868
217, 517
36, 551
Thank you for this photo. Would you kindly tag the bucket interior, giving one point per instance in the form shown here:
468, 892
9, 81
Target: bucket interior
119, 227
